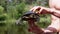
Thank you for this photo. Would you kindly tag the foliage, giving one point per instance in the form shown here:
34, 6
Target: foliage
20, 8
1, 10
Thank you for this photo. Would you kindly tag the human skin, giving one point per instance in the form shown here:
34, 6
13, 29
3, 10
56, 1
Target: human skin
55, 4
37, 30
54, 10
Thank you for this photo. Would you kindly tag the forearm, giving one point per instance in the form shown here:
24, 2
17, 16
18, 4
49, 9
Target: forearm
56, 13
51, 11
36, 30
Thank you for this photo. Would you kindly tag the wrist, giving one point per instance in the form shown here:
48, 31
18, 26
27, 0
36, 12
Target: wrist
51, 11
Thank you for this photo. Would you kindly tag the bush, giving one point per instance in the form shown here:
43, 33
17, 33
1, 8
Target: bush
1, 10
12, 12
20, 8
2, 17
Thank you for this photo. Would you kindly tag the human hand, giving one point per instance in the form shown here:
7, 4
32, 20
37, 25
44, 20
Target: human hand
38, 9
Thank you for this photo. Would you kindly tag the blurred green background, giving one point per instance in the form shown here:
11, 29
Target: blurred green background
11, 10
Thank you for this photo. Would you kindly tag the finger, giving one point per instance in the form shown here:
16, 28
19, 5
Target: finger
35, 7
32, 8
40, 10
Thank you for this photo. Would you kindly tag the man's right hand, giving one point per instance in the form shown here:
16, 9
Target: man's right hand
39, 9
36, 9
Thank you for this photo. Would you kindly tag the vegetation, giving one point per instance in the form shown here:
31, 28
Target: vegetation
11, 10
